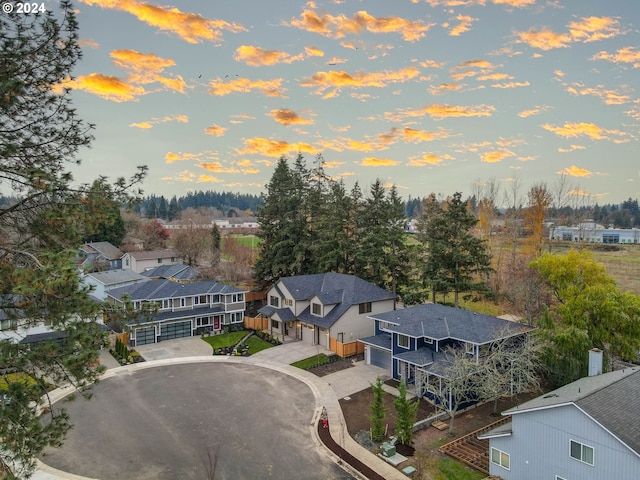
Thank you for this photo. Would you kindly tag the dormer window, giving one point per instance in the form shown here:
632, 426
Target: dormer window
316, 309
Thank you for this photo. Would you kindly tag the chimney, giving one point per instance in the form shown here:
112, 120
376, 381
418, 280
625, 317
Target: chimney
595, 362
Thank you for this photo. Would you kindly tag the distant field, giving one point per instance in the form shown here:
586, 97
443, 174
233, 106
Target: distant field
623, 264
250, 241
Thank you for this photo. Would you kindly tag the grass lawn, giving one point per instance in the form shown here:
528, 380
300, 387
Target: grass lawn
449, 469
226, 339
250, 241
14, 378
256, 344
314, 361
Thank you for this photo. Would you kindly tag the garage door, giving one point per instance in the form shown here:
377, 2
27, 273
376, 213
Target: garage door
169, 331
381, 358
145, 335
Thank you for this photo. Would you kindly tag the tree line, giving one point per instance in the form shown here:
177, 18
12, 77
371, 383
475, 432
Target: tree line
154, 206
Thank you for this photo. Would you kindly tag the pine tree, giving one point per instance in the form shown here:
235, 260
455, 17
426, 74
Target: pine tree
456, 260
40, 136
378, 412
406, 415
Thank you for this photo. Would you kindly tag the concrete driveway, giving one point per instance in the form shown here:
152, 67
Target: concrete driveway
180, 347
184, 420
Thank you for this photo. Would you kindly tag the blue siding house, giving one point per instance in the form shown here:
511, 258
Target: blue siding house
412, 343
586, 430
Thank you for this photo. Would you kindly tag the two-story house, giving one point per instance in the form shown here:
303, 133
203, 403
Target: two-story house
586, 430
96, 256
142, 260
412, 343
106, 280
182, 309
328, 309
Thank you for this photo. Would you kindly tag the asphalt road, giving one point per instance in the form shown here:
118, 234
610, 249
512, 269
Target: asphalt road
187, 421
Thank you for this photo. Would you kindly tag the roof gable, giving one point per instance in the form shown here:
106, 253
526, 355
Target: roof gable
610, 399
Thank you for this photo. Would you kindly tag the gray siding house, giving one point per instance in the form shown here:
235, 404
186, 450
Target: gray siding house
587, 430
324, 309
183, 309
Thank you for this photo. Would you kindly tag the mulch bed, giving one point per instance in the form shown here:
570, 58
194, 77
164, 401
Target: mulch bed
325, 437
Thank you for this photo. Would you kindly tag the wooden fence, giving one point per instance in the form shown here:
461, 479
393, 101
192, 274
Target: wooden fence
345, 349
256, 323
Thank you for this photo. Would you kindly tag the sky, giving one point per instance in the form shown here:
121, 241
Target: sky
428, 95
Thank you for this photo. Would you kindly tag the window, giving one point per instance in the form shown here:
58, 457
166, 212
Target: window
384, 325
159, 260
275, 324
183, 302
274, 301
581, 452
364, 308
200, 300
403, 341
500, 458
316, 309
203, 321
239, 297
215, 298
166, 303
288, 302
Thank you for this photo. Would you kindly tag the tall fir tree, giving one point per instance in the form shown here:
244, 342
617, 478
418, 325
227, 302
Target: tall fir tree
456, 260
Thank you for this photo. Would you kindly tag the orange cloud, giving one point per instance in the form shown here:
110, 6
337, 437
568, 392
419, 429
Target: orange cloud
443, 111
575, 171
587, 29
623, 55
217, 167
378, 162
183, 176
471, 68
338, 26
464, 25
257, 57
215, 130
155, 121
146, 68
426, 159
322, 81
592, 29
171, 157
332, 164
511, 85
431, 64
191, 27
494, 77
609, 97
342, 144
105, 86
572, 148
444, 88
274, 148
203, 178
285, 116
496, 156
87, 42
533, 111
591, 130
269, 88
544, 39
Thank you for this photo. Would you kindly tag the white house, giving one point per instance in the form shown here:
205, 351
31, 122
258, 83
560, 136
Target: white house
325, 309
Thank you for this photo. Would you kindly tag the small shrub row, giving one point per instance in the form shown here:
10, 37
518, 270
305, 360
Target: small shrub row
262, 335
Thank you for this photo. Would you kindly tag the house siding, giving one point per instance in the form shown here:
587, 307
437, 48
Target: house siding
539, 448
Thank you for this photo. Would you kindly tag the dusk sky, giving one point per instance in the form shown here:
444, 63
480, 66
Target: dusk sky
429, 95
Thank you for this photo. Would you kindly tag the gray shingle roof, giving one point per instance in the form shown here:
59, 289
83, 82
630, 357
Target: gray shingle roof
382, 340
611, 399
153, 254
120, 275
178, 271
108, 250
337, 289
440, 322
285, 314
420, 357
161, 289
